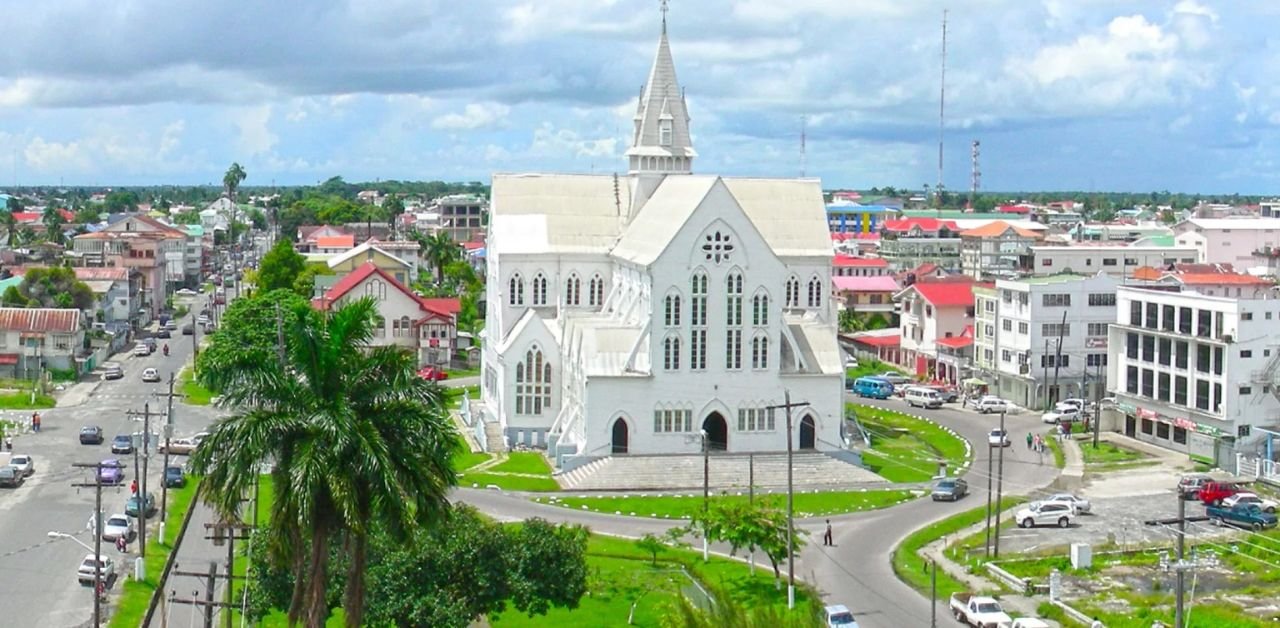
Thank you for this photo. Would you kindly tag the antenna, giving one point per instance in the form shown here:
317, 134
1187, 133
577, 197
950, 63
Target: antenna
803, 158
975, 179
942, 109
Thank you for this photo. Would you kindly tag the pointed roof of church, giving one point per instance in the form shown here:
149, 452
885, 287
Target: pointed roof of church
662, 102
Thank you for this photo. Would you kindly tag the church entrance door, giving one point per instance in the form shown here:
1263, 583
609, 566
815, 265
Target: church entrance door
619, 436
717, 432
807, 432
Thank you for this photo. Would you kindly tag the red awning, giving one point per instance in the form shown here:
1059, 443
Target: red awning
8, 358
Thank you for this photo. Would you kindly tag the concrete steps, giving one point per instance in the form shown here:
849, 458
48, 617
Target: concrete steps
726, 471
494, 439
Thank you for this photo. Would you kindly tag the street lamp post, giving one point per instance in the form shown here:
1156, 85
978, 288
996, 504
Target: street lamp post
706, 490
787, 405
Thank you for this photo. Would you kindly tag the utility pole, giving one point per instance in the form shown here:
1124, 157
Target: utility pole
168, 436
1057, 356
933, 594
195, 344
1181, 565
1000, 486
96, 485
990, 471
787, 405
706, 491
220, 533
142, 476
1044, 368
1097, 403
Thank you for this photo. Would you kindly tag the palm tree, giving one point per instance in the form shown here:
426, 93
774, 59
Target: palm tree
10, 223
231, 182
355, 436
440, 249
53, 223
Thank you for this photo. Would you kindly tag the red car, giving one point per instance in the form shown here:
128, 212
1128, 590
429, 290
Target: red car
432, 374
1212, 493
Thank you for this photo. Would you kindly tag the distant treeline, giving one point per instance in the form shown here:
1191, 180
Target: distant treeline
1102, 201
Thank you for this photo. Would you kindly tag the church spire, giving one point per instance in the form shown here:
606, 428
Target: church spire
661, 143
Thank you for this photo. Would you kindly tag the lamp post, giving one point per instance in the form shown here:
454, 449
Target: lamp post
706, 489
787, 405
97, 556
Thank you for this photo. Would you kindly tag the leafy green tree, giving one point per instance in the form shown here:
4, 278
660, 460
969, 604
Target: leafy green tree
13, 298
354, 436
189, 217
305, 284
54, 223
89, 213
651, 545
13, 204
232, 179
440, 250
727, 610
56, 286
280, 267
10, 224
248, 333
393, 207
118, 201
758, 526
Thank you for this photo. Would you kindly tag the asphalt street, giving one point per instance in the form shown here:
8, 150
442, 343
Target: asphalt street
38, 574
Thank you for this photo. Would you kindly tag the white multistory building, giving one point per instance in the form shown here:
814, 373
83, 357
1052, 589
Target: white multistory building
1196, 373
639, 314
1113, 258
1042, 339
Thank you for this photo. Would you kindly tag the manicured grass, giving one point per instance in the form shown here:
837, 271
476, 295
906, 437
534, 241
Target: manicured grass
457, 373
22, 401
1059, 456
1039, 568
871, 367
136, 595
464, 459
509, 482
193, 393
1108, 453
453, 396
684, 506
912, 568
906, 449
532, 463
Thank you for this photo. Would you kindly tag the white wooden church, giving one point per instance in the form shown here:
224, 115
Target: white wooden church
641, 313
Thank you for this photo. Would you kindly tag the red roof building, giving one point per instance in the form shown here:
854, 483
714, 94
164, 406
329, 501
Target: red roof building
922, 225
426, 326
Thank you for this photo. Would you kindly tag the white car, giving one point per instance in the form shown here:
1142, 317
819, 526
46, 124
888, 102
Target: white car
119, 525
1045, 514
1268, 505
1080, 504
178, 446
838, 616
1076, 403
150, 375
186, 292
203, 319
989, 404
142, 350
23, 464
103, 565
1067, 414
998, 438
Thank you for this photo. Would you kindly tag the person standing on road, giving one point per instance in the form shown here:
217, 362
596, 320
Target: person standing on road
35, 422
826, 536
1030, 440
133, 487
122, 544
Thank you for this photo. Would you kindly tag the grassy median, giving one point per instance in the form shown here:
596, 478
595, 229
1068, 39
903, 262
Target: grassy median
136, 595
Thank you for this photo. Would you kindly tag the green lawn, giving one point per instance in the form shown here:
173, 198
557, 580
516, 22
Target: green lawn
532, 463
912, 568
193, 393
871, 367
683, 506
1108, 454
136, 595
464, 459
1059, 456
509, 482
22, 401
906, 449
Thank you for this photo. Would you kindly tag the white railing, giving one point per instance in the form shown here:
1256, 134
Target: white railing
1258, 468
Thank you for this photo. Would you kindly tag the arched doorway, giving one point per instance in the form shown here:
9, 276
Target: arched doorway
717, 432
808, 433
619, 436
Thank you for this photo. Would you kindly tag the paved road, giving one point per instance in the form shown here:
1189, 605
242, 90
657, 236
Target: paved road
37, 574
857, 570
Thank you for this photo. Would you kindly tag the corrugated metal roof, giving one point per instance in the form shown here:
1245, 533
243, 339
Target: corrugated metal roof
56, 320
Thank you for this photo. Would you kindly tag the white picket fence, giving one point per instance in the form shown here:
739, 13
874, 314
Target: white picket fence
1258, 468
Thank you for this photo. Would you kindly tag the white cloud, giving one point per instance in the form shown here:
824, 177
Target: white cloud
549, 141
473, 116
255, 136
49, 156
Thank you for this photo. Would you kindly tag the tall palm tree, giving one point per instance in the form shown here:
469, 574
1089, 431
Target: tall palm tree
231, 182
440, 249
10, 224
354, 436
53, 223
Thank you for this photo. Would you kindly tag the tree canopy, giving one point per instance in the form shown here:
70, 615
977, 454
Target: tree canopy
248, 333
280, 267
50, 287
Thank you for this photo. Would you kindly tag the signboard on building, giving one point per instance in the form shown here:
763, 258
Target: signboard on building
1095, 343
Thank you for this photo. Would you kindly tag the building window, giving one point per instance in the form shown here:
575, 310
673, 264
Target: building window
595, 291
573, 290
1096, 359
667, 421
1108, 261
671, 315
717, 247
1054, 360
539, 289
760, 352
1184, 320
1245, 353
1148, 383
815, 292
1180, 355
1246, 390
1097, 329
1006, 355
1148, 349
1056, 300
756, 420
733, 349
698, 319
760, 310
1202, 394
515, 290
1006, 325
671, 353
1023, 328
733, 299
1180, 390
1204, 324
1162, 386
1131, 380
1164, 355
1103, 299
1246, 316
664, 132
793, 292
1055, 329
1162, 430
533, 383
699, 288
1130, 261
379, 327
1204, 361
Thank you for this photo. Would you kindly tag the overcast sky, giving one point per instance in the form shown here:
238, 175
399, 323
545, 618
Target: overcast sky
1063, 94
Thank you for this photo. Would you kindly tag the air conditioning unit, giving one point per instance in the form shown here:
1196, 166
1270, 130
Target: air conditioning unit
1023, 369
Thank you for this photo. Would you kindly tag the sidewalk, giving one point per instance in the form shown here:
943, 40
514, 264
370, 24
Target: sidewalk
1072, 476
193, 555
78, 393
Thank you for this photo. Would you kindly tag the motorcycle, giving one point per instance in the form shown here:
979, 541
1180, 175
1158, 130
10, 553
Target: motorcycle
166, 351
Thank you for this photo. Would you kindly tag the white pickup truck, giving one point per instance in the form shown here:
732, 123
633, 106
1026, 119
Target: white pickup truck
978, 611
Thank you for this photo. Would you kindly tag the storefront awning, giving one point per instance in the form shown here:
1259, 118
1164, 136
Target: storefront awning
973, 381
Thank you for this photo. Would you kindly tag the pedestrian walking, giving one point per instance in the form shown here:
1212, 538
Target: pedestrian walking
122, 544
133, 487
1030, 440
826, 536
35, 422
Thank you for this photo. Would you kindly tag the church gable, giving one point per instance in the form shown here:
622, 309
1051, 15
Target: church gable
717, 234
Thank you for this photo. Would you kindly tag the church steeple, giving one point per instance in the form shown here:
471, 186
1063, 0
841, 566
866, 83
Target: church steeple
660, 142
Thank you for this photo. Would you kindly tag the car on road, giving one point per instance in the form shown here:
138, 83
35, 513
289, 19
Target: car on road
1212, 493
186, 292
141, 350
122, 444
998, 438
978, 611
131, 506
119, 525
178, 446
91, 435
1189, 485
838, 616
150, 375
164, 332
895, 378
1242, 515
203, 319
1044, 514
24, 463
188, 329
989, 404
112, 370
950, 489
174, 477
871, 387
111, 472
1061, 414
947, 393
1080, 504
1267, 505
11, 477
432, 374
94, 568
920, 396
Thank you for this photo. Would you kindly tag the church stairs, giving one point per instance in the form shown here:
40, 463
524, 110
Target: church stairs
727, 471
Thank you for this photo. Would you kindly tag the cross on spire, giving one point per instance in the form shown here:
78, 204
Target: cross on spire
662, 6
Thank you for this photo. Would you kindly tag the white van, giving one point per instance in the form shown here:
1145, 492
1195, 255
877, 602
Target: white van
918, 396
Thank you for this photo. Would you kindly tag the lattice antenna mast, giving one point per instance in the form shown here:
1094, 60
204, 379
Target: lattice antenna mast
975, 178
942, 109
804, 163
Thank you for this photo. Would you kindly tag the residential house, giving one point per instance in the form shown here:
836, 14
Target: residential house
348, 261
34, 339
428, 327
309, 237
930, 311
1229, 240
995, 249
877, 344
1113, 258
850, 266
867, 295
153, 249
462, 216
117, 291
955, 358
908, 242
196, 256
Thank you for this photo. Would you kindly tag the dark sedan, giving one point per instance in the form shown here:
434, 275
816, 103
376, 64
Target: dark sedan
174, 477
122, 444
131, 506
950, 489
91, 435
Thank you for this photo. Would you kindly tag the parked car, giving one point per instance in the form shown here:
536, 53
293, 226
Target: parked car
203, 319
150, 343
131, 507
163, 332
111, 472
432, 374
1062, 414
920, 396
141, 350
177, 446
186, 292
91, 435
1212, 493
174, 477
989, 404
94, 568
1028, 622
112, 370
1044, 514
11, 477
24, 463
188, 329
122, 444
118, 525
895, 378
150, 375
948, 394
950, 489
998, 438
1267, 505
1080, 504
1077, 403
872, 387
851, 362
978, 611
1189, 485
1242, 515
838, 616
